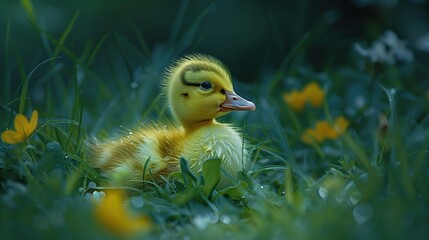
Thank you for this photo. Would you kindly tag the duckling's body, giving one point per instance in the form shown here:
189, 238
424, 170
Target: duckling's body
198, 89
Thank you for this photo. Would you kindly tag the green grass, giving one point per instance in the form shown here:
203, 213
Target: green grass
365, 184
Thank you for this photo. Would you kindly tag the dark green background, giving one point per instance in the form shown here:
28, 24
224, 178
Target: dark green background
247, 35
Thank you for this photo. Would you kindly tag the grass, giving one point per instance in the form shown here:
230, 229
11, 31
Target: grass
371, 182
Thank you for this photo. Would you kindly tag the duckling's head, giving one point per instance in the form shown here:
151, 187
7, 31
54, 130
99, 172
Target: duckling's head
199, 89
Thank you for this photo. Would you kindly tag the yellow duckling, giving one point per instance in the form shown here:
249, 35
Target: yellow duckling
198, 89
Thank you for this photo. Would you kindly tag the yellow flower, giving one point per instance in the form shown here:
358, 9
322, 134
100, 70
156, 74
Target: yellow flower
295, 100
341, 124
113, 215
323, 130
23, 129
314, 94
310, 135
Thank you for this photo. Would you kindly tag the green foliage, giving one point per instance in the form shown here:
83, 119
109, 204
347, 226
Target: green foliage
371, 182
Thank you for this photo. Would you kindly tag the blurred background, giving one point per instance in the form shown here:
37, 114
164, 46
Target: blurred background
248, 35
93, 69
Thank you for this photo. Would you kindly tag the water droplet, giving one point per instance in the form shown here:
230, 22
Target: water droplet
362, 213
131, 133
137, 202
225, 219
339, 198
88, 196
355, 197
359, 101
262, 187
323, 192
214, 218
201, 221
92, 185
134, 85
96, 195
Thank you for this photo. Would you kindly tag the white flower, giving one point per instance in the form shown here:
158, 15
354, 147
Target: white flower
377, 53
396, 47
387, 49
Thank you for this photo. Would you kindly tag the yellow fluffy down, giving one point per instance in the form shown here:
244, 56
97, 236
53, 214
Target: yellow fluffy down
196, 88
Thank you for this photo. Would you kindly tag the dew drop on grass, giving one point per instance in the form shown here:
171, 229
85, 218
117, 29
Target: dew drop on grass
214, 218
134, 85
88, 196
98, 195
92, 185
137, 202
225, 219
359, 101
202, 221
355, 197
362, 213
339, 198
323, 192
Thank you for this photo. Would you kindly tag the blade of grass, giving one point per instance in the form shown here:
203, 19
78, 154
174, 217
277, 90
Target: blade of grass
76, 103
80, 143
142, 41
53, 40
123, 55
96, 50
66, 33
186, 40
278, 133
301, 46
178, 22
6, 84
21, 68
25, 84
29, 9
360, 153
91, 171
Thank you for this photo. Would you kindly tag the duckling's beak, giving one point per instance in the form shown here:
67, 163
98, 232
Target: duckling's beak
234, 102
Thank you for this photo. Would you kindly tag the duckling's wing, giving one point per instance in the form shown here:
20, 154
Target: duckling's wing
144, 153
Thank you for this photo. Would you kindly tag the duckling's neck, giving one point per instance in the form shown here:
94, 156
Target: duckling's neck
192, 126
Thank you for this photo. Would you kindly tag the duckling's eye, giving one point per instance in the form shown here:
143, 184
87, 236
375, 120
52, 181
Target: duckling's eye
205, 86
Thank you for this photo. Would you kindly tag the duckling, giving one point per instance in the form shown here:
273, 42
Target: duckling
198, 89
